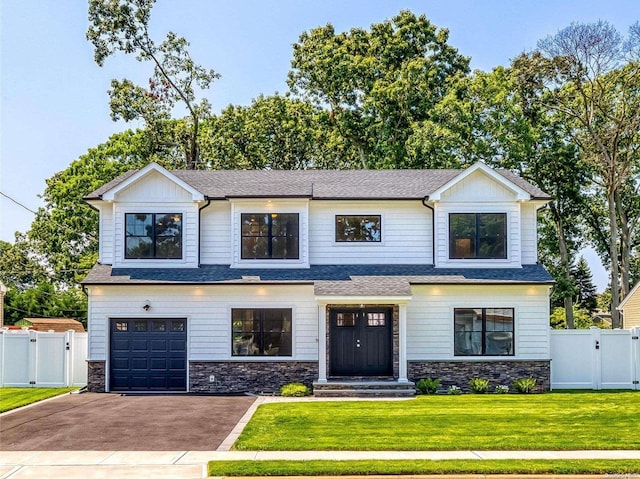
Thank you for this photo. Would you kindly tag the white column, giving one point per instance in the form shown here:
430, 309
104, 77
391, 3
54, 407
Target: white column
402, 340
322, 343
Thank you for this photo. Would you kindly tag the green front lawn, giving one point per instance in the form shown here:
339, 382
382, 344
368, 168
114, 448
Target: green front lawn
554, 421
11, 398
341, 468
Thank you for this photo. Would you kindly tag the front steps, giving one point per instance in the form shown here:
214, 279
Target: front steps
364, 389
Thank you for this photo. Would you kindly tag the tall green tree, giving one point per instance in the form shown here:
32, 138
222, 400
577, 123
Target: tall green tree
377, 82
277, 132
123, 26
586, 291
584, 73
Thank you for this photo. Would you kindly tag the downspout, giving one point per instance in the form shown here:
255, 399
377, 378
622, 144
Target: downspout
200, 229
433, 229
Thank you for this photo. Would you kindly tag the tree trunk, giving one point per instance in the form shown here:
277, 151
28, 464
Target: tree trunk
566, 266
625, 249
613, 253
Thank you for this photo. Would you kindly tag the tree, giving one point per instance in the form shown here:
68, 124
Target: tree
276, 132
583, 319
44, 301
586, 292
123, 25
376, 83
584, 73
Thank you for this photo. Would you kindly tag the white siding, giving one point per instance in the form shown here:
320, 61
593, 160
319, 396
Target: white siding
189, 213
430, 319
478, 187
529, 233
153, 187
106, 233
208, 313
406, 233
215, 246
514, 250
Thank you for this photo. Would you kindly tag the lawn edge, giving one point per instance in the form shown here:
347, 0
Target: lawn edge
26, 406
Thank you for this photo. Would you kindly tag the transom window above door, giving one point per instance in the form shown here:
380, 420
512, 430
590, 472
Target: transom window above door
270, 236
153, 235
478, 235
358, 228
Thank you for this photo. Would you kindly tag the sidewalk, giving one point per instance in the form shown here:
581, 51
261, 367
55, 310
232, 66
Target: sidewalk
193, 464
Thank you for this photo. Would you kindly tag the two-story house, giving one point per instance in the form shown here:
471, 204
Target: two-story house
234, 281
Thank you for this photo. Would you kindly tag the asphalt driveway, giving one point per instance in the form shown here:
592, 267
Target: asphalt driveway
115, 422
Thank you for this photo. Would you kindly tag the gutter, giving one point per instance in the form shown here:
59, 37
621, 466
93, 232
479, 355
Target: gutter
433, 229
200, 229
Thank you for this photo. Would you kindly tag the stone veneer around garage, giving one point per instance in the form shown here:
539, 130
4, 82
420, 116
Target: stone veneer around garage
498, 372
249, 376
96, 376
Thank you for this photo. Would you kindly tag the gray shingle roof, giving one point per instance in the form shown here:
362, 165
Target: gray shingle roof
319, 184
347, 280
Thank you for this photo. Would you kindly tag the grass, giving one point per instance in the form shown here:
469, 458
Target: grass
11, 398
338, 468
554, 421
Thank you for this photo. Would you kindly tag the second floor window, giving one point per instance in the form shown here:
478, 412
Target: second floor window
478, 235
153, 236
356, 228
270, 236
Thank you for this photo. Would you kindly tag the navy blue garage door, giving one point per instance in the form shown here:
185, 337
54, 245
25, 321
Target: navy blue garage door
148, 355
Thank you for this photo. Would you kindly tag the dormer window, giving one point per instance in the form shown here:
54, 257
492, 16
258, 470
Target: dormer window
270, 236
153, 235
477, 236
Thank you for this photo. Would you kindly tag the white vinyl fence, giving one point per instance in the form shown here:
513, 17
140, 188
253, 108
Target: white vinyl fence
595, 359
42, 359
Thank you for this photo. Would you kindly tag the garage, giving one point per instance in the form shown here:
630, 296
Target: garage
148, 354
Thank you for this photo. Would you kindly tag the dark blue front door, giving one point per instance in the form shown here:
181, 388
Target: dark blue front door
148, 355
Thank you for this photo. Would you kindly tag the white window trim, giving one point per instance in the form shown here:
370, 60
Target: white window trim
301, 207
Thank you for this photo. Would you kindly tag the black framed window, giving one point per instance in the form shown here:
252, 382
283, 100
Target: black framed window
478, 235
261, 332
358, 228
483, 331
153, 235
270, 236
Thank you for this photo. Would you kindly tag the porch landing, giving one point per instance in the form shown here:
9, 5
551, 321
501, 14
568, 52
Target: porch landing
363, 389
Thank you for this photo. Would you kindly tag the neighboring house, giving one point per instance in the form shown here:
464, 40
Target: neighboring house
57, 325
630, 308
234, 281
3, 291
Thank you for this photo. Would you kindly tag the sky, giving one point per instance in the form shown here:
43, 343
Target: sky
53, 100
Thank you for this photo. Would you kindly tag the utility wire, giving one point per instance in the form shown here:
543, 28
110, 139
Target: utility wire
18, 203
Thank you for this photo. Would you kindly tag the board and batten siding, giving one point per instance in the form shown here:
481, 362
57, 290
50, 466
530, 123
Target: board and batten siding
208, 313
430, 319
405, 234
215, 234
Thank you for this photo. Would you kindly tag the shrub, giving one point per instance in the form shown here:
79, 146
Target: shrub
427, 386
479, 385
454, 390
502, 389
295, 390
524, 385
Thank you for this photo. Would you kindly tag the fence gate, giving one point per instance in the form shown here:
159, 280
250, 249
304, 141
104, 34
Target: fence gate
595, 359
42, 359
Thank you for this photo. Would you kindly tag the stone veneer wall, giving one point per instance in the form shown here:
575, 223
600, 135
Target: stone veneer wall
249, 376
459, 373
96, 376
395, 334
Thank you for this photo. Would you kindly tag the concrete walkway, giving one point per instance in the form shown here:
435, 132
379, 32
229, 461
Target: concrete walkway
193, 464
